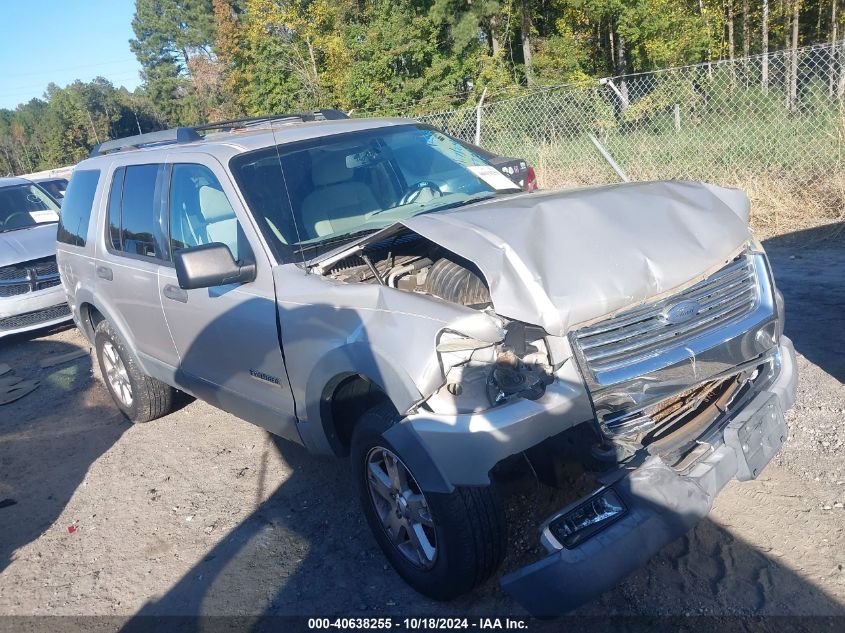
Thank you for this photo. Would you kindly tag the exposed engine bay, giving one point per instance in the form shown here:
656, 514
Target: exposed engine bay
410, 262
478, 374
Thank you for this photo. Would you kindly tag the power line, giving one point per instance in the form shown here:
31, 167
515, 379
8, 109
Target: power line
24, 91
56, 70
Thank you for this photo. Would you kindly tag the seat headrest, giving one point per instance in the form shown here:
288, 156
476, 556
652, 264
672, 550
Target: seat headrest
329, 168
214, 206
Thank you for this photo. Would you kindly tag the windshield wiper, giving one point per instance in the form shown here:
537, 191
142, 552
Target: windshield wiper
335, 239
458, 203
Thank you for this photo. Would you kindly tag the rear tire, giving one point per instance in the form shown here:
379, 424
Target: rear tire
468, 533
139, 397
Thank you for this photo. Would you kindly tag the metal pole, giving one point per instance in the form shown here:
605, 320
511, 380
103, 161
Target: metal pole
606, 155
478, 117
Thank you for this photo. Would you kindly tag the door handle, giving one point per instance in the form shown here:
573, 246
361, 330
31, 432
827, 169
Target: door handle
104, 272
177, 294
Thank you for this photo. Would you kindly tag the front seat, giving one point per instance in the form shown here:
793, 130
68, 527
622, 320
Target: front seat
220, 222
338, 204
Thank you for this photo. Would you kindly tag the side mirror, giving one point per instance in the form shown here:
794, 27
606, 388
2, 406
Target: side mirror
210, 265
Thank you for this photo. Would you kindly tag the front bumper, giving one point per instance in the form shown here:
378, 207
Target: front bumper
34, 310
662, 504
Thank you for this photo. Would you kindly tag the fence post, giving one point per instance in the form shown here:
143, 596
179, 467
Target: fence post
676, 109
478, 116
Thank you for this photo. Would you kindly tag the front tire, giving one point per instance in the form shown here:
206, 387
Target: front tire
138, 396
443, 545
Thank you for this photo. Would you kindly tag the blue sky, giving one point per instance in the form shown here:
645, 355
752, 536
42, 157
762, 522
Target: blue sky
43, 41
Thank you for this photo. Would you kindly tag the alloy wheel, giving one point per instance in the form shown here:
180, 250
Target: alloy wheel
116, 374
402, 507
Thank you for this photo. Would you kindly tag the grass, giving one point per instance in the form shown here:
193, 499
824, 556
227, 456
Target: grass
791, 165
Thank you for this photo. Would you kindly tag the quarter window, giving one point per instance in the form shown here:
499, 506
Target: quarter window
200, 213
76, 212
114, 208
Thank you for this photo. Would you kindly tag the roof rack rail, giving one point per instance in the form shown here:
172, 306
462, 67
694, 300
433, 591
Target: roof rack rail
189, 134
325, 114
173, 135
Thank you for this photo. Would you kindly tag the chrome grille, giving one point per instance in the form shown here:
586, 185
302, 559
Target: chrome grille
635, 335
25, 277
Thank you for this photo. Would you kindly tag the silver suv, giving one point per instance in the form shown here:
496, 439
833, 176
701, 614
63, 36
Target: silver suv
373, 288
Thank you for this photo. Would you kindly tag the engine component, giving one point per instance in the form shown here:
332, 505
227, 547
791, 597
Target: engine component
457, 283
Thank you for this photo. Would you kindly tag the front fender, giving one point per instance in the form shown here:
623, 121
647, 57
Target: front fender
357, 358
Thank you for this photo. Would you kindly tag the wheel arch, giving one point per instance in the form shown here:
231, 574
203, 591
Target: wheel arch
91, 312
354, 371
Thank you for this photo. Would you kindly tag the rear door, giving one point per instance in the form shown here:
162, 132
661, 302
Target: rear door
127, 269
226, 336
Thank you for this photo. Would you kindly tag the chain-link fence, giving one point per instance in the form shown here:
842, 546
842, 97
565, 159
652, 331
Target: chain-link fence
759, 122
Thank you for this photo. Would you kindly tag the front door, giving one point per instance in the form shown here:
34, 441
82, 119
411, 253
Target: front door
226, 336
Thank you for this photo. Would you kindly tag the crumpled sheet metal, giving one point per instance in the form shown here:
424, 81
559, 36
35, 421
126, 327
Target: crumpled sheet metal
560, 259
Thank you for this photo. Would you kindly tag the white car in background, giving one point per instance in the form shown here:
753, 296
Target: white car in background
31, 294
56, 187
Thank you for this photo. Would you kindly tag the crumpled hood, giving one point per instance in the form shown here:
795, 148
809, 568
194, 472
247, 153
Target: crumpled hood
26, 244
562, 258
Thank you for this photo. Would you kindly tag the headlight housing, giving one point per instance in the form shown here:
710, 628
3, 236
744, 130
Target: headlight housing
480, 375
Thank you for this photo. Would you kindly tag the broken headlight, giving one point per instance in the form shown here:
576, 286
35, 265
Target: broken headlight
512, 377
480, 374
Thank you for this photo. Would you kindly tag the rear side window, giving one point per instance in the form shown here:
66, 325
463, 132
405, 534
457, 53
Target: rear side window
133, 211
76, 208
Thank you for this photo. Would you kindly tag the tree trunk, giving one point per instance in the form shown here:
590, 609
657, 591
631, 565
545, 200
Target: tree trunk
495, 42
786, 12
612, 38
622, 69
834, 53
793, 66
731, 43
764, 73
746, 44
709, 37
526, 42
11, 170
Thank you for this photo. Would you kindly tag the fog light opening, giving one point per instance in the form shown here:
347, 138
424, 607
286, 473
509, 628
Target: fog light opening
589, 518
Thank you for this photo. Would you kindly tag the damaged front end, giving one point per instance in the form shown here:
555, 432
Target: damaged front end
669, 356
485, 359
684, 404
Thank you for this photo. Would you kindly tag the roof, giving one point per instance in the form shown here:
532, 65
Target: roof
13, 182
225, 145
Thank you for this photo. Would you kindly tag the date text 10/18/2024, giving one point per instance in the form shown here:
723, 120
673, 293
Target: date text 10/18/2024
411, 624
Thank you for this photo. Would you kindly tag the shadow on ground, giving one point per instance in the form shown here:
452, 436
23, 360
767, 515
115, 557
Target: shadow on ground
307, 550
40, 471
334, 568
809, 269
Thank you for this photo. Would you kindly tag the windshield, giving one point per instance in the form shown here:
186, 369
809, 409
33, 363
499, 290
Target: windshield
311, 192
24, 206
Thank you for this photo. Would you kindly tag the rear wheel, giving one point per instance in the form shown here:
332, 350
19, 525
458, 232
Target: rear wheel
442, 544
139, 397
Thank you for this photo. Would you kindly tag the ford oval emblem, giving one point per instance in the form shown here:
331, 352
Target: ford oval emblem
680, 311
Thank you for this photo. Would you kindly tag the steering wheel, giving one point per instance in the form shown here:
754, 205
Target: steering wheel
415, 190
11, 215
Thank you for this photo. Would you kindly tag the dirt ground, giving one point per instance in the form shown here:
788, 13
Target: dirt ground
201, 513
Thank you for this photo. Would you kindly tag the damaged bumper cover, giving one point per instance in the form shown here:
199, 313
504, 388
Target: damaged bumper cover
466, 447
658, 505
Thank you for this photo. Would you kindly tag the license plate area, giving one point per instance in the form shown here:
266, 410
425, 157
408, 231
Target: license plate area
756, 435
